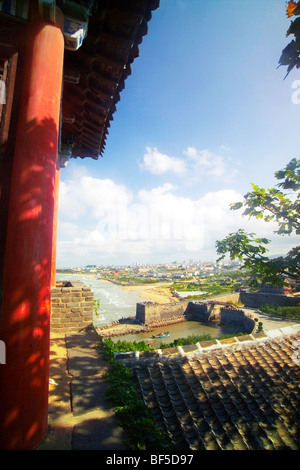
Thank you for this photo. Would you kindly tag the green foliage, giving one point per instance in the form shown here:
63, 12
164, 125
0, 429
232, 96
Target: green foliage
260, 326
242, 244
132, 413
121, 390
192, 339
280, 311
137, 419
96, 303
221, 283
131, 280
107, 349
272, 204
124, 346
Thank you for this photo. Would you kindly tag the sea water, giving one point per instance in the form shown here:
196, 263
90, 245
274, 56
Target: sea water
117, 302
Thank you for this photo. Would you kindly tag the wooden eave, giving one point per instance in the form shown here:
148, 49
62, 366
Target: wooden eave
95, 74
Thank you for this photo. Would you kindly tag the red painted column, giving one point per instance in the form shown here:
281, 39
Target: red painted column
25, 320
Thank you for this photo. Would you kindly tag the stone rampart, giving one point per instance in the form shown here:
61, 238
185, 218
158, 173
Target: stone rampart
150, 312
71, 306
232, 316
257, 299
197, 311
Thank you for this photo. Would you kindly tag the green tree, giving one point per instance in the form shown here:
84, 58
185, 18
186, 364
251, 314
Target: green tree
280, 204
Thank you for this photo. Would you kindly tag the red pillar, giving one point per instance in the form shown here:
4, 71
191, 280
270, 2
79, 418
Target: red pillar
25, 320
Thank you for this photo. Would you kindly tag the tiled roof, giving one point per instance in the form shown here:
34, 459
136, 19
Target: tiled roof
241, 395
95, 74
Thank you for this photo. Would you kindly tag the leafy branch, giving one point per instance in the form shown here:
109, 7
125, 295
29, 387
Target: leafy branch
272, 204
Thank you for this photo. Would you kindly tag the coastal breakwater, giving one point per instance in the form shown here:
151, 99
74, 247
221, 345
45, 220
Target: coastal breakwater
151, 312
152, 315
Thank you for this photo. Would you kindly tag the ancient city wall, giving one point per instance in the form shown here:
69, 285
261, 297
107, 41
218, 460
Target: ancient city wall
200, 311
197, 311
233, 316
71, 306
151, 313
148, 312
256, 299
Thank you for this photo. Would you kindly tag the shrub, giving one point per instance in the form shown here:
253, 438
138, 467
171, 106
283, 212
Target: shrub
193, 339
280, 311
133, 415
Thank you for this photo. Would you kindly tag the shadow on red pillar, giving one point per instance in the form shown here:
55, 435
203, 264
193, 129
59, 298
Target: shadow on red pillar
25, 320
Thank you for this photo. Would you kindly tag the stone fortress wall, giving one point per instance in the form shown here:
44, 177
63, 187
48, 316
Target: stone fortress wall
256, 299
71, 306
218, 308
153, 314
150, 312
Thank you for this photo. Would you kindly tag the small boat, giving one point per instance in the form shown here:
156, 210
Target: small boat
162, 335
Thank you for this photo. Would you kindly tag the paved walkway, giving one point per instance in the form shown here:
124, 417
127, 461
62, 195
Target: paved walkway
80, 416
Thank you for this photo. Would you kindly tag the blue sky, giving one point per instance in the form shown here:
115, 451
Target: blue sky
204, 113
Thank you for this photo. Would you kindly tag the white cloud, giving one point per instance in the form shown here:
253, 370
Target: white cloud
159, 163
171, 217
117, 224
193, 167
68, 229
204, 163
86, 195
102, 222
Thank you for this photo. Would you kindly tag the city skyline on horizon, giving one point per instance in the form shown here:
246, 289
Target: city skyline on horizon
175, 263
